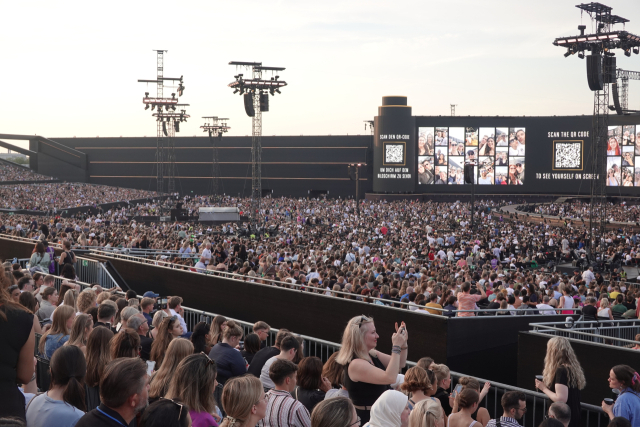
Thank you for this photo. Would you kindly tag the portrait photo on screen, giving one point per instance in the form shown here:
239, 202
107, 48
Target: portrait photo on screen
501, 175
456, 135
425, 170
484, 136
501, 156
471, 155
636, 180
502, 135
485, 161
516, 142
614, 140
486, 175
627, 177
441, 174
628, 157
516, 171
629, 135
441, 156
613, 171
456, 148
442, 137
637, 140
456, 170
471, 137
425, 142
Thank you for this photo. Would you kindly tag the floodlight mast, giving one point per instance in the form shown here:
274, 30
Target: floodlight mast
601, 45
257, 88
216, 127
167, 124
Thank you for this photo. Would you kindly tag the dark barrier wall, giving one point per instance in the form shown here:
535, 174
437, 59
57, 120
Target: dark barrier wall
596, 361
394, 148
56, 159
305, 313
488, 346
545, 152
291, 165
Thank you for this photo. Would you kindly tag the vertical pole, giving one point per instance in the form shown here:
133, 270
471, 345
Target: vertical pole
358, 189
160, 141
473, 204
256, 155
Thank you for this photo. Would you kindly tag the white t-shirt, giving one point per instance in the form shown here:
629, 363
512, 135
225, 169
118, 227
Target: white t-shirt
206, 255
546, 309
264, 374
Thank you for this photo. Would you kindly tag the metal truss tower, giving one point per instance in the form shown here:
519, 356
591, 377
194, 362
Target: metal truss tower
216, 127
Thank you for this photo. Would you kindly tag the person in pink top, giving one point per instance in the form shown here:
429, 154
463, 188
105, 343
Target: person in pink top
466, 301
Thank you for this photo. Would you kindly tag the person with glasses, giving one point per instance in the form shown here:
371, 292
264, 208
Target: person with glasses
514, 405
244, 401
192, 384
367, 372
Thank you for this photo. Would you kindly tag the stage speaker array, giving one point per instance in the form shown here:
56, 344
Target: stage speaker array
248, 105
264, 102
616, 98
594, 72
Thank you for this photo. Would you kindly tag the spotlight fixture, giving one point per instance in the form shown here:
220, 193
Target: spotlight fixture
636, 50
236, 91
568, 53
146, 94
146, 107
627, 52
153, 107
581, 55
180, 89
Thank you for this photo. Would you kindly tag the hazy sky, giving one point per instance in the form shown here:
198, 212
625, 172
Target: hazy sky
70, 68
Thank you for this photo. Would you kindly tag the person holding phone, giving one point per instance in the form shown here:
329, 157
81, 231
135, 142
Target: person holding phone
368, 373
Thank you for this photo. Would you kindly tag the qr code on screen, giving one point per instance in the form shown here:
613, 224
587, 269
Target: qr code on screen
394, 154
568, 155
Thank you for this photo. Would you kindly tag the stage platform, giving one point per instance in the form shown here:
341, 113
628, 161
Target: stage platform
632, 271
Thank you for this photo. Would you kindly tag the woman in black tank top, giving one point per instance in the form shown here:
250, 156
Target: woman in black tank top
367, 372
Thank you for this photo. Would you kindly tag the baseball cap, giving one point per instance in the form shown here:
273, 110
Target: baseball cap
150, 294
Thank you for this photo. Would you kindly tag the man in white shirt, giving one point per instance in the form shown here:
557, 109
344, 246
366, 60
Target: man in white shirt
288, 349
206, 255
545, 308
175, 308
588, 276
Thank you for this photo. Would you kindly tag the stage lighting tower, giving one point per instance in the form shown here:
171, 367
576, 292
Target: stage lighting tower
216, 127
601, 71
256, 100
167, 121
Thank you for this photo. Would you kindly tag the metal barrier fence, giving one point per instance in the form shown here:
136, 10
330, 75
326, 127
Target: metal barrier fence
622, 332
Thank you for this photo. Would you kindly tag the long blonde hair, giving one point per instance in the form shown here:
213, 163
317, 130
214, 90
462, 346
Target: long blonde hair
80, 325
58, 325
353, 346
238, 397
178, 349
426, 413
561, 354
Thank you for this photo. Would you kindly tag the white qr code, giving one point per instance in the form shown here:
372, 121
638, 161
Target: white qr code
568, 155
394, 153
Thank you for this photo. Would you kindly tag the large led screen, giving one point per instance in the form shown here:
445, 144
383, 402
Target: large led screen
498, 155
623, 154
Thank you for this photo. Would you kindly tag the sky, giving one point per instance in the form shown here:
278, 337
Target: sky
70, 68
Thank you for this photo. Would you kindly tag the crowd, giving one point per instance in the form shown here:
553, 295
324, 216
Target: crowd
409, 254
581, 210
122, 360
10, 172
56, 197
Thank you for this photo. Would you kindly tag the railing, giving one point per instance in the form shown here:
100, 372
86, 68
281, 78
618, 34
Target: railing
623, 332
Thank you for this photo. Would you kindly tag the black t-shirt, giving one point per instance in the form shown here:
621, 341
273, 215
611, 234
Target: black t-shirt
260, 358
590, 310
13, 335
443, 396
573, 400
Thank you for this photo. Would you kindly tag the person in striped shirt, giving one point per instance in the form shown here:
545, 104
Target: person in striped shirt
282, 409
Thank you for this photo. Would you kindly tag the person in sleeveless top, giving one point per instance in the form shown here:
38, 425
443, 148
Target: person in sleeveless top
367, 372
480, 414
566, 301
467, 400
563, 377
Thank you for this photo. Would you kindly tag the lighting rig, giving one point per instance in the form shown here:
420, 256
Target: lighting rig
354, 175
256, 100
601, 71
168, 122
216, 127
621, 96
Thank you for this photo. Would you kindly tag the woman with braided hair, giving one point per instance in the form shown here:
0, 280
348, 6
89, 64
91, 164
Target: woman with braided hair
243, 401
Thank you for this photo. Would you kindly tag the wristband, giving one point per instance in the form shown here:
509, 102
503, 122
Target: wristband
396, 349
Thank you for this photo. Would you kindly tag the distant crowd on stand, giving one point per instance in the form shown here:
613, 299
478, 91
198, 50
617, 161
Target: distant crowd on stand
10, 172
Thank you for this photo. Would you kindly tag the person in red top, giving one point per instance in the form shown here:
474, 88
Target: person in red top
384, 230
466, 301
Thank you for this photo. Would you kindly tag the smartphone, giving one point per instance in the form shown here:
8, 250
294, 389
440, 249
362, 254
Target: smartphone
457, 390
150, 367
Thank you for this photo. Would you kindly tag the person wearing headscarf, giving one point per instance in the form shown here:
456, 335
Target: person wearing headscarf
390, 410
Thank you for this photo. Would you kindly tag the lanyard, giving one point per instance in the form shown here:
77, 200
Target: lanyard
114, 419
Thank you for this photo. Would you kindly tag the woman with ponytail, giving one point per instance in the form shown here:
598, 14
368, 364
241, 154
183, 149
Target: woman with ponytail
626, 380
64, 403
243, 401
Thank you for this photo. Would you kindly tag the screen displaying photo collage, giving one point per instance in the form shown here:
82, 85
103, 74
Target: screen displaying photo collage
498, 155
623, 154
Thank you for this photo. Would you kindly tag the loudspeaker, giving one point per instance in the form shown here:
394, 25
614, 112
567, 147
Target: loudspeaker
594, 72
264, 102
610, 69
616, 98
164, 128
468, 174
248, 105
176, 126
